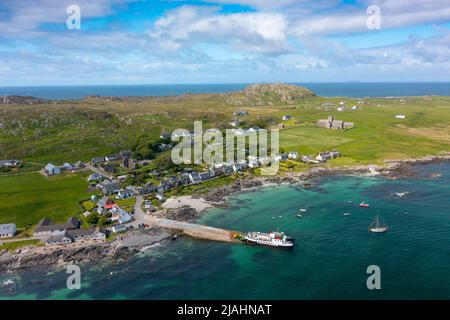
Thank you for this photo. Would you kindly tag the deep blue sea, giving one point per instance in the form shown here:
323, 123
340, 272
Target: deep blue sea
329, 261
347, 89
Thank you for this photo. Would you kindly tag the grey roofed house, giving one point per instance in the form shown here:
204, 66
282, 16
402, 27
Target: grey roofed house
166, 185
119, 228
332, 123
228, 169
7, 230
68, 166
95, 177
51, 169
69, 236
324, 123
348, 125
219, 170
195, 177
47, 226
185, 178
98, 160
112, 157
91, 233
109, 187
240, 113
147, 189
205, 176
10, 163
62, 238
337, 124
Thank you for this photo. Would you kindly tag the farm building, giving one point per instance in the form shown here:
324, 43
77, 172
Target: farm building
332, 123
51, 170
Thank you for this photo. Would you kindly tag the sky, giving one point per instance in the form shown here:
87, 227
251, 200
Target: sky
223, 41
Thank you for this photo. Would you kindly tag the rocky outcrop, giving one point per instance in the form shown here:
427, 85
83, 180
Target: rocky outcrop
13, 99
185, 213
119, 250
269, 94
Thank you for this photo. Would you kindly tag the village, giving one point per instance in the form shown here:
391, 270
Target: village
119, 201
103, 212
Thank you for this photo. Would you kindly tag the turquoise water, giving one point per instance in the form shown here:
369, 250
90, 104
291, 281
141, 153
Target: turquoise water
345, 89
328, 262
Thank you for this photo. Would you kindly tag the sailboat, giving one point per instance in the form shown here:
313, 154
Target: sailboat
377, 226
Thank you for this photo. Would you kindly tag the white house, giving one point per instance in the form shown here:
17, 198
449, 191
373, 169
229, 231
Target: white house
51, 169
234, 123
400, 116
119, 228
293, 155
7, 230
120, 215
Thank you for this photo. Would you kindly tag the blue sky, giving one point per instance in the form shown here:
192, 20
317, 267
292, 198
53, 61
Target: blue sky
222, 41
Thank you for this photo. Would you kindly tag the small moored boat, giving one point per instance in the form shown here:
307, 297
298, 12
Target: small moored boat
377, 226
364, 205
299, 215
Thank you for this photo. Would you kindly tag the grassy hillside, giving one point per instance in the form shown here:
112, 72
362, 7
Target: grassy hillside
78, 130
25, 199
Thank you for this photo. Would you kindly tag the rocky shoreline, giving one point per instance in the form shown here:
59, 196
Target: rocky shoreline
394, 169
120, 249
127, 246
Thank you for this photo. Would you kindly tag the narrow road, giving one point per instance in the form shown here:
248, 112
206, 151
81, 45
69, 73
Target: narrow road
99, 171
19, 239
139, 214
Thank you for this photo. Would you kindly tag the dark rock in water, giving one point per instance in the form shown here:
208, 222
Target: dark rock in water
403, 170
184, 213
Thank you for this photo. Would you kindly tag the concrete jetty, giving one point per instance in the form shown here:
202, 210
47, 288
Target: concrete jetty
195, 230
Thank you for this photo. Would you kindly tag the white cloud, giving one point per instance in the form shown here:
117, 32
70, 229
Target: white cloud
263, 33
24, 16
394, 14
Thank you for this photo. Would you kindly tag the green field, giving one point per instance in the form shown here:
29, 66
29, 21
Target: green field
68, 131
25, 199
377, 134
19, 244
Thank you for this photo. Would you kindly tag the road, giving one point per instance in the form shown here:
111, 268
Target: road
139, 214
19, 239
97, 170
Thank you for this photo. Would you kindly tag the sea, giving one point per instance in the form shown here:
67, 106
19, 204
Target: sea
344, 89
330, 260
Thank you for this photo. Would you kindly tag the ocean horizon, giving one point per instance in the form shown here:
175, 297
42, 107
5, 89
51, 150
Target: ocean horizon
326, 89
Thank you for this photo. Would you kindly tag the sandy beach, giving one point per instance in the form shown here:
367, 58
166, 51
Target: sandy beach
198, 204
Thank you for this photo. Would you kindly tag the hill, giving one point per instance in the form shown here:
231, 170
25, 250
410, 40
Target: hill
269, 94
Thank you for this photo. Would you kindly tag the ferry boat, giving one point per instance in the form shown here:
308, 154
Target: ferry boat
272, 239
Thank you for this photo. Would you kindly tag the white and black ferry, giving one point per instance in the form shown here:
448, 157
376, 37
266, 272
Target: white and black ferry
272, 239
